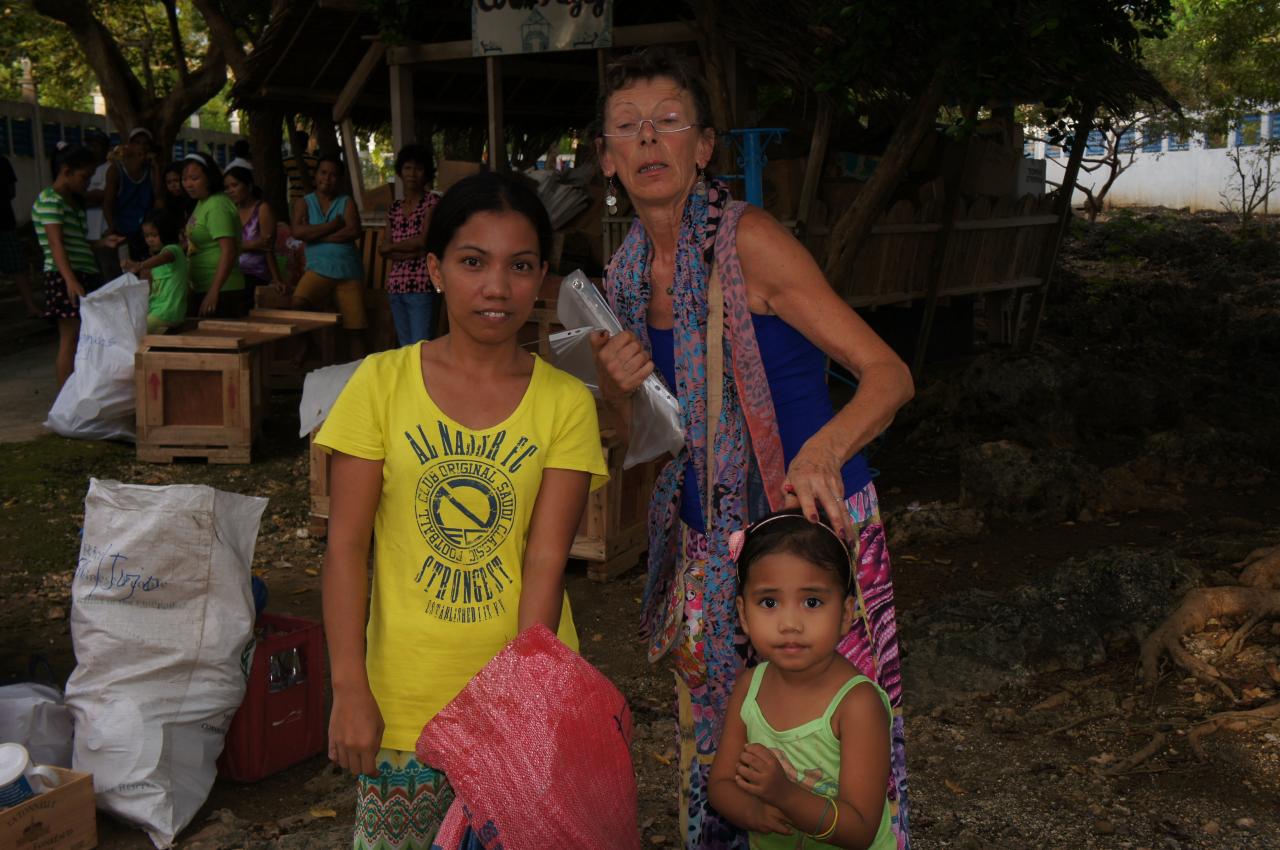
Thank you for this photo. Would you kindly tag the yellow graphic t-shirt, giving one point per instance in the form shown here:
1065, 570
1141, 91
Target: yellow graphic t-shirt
452, 524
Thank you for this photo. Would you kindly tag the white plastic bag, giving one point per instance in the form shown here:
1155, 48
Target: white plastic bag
320, 389
97, 402
655, 413
162, 626
33, 715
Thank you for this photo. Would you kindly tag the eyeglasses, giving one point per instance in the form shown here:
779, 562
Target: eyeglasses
629, 128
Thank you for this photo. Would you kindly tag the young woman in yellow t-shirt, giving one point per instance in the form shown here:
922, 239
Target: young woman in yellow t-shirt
468, 460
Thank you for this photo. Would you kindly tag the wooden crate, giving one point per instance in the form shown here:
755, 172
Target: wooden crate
311, 344
613, 533
319, 524
202, 392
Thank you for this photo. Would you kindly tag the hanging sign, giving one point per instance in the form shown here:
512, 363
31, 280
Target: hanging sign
538, 26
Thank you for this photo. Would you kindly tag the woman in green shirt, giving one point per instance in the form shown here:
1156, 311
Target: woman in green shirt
213, 236
70, 270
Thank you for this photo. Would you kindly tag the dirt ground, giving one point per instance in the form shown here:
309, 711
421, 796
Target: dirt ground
1024, 760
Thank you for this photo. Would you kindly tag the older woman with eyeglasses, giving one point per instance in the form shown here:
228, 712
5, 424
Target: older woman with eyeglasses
776, 440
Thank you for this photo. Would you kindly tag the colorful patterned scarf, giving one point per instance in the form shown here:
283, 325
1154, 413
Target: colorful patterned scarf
746, 433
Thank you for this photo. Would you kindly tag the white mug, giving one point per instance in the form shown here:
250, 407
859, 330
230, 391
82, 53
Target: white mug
20, 780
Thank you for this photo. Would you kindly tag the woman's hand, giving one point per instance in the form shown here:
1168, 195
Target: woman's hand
355, 731
815, 480
760, 773
74, 290
209, 305
622, 364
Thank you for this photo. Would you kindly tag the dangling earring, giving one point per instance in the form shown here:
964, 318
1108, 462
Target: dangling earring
700, 188
611, 196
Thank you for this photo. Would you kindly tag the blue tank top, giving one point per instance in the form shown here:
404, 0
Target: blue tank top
134, 200
796, 371
337, 260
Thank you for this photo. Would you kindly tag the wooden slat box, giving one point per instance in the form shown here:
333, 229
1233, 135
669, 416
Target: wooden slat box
313, 337
319, 525
201, 393
613, 533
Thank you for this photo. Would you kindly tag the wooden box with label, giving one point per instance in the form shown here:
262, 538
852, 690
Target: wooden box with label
63, 818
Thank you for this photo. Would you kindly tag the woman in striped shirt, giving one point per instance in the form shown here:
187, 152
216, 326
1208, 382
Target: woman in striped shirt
70, 271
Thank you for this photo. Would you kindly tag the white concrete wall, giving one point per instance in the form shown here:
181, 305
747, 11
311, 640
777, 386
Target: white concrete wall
34, 173
1194, 178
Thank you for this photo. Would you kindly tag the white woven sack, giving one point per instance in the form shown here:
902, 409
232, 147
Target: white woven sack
162, 624
98, 401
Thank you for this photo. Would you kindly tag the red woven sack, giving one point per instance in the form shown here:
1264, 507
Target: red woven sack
537, 749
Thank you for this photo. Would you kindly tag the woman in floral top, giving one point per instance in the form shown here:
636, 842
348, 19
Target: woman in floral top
414, 301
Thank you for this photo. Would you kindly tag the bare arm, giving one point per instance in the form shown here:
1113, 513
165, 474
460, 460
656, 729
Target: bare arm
266, 237
741, 807
227, 256
60, 259
310, 232
355, 722
556, 514
162, 258
267, 227
349, 228
783, 279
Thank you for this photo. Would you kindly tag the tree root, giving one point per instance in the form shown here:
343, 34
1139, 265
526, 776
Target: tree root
1197, 608
1257, 597
1155, 745
1261, 568
1236, 719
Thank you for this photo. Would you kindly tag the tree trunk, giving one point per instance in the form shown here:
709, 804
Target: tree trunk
714, 51
853, 226
324, 132
268, 164
128, 102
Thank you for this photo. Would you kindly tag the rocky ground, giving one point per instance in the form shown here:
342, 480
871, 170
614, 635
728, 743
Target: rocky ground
1046, 513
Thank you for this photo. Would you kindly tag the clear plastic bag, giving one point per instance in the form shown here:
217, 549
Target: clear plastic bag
656, 429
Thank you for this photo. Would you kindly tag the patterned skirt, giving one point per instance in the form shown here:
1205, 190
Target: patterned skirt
402, 807
872, 646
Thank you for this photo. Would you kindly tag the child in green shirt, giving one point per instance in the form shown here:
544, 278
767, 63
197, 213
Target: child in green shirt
806, 742
167, 270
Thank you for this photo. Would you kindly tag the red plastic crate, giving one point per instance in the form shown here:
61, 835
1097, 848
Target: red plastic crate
272, 731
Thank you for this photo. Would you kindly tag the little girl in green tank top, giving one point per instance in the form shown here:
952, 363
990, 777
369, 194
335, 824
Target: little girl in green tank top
804, 755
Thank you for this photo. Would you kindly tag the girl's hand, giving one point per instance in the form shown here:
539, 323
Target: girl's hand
355, 732
74, 290
621, 364
209, 305
769, 819
131, 266
760, 773
814, 480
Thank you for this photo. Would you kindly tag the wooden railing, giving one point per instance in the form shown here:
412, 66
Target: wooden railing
996, 245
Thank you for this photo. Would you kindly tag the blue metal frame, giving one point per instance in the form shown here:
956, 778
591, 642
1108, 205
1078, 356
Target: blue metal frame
751, 142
